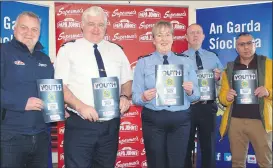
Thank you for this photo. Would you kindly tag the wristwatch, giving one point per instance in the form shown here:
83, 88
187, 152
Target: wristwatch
123, 95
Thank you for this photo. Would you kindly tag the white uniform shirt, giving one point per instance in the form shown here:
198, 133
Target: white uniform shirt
76, 64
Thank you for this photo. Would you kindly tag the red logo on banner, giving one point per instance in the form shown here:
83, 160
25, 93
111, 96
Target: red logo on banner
177, 25
131, 114
143, 152
64, 12
170, 15
117, 13
62, 156
128, 140
124, 24
126, 126
121, 37
127, 152
145, 26
149, 13
127, 164
61, 130
68, 23
147, 37
68, 37
144, 164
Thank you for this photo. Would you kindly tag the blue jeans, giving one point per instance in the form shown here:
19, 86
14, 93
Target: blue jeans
24, 151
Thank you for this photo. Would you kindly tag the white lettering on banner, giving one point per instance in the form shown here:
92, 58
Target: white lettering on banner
6, 39
8, 24
142, 140
128, 164
123, 13
146, 26
69, 23
127, 126
217, 43
243, 27
61, 130
170, 15
144, 164
106, 12
176, 38
128, 140
143, 152
147, 37
67, 37
118, 37
62, 156
177, 25
69, 12
149, 13
127, 152
124, 24
62, 144
131, 114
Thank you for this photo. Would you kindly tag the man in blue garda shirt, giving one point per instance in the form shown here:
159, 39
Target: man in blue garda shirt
165, 128
203, 112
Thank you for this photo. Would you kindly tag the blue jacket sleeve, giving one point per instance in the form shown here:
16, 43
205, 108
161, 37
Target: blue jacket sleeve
138, 83
10, 100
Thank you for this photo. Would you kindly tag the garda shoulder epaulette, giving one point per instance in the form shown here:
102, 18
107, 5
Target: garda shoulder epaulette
116, 44
181, 54
144, 56
71, 41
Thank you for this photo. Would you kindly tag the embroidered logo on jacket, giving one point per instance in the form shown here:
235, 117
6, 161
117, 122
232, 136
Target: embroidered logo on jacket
42, 65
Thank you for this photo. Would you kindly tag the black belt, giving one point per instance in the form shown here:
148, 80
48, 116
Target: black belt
205, 102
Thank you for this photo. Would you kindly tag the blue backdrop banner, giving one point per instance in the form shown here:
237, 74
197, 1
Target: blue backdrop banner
9, 12
221, 26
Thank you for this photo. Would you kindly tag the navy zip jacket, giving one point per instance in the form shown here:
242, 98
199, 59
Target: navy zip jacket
19, 71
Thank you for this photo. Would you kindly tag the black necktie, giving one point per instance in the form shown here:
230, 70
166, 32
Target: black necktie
165, 57
100, 64
198, 61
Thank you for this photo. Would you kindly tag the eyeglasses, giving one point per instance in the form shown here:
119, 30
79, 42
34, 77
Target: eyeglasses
243, 44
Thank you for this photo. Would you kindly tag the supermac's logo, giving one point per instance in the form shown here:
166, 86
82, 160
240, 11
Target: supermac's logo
127, 164
68, 37
177, 25
69, 23
106, 12
142, 140
62, 156
169, 82
131, 114
124, 24
117, 13
61, 130
119, 37
51, 97
64, 12
170, 15
128, 152
62, 144
107, 94
204, 82
244, 84
146, 26
143, 152
128, 140
179, 38
147, 37
149, 13
127, 126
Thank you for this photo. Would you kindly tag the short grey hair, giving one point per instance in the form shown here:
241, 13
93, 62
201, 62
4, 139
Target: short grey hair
29, 14
94, 11
160, 24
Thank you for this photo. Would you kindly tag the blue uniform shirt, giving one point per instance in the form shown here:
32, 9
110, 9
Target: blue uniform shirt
19, 71
144, 79
209, 59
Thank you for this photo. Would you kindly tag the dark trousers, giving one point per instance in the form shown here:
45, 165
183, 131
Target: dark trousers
24, 151
165, 136
90, 144
203, 117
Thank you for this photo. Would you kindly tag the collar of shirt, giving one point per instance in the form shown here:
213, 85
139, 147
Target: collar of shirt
160, 56
192, 52
23, 47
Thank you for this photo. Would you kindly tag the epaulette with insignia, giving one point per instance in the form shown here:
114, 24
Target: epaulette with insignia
144, 56
116, 44
181, 54
212, 52
71, 41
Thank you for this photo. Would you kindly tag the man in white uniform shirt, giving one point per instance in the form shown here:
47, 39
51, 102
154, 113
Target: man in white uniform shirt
88, 143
